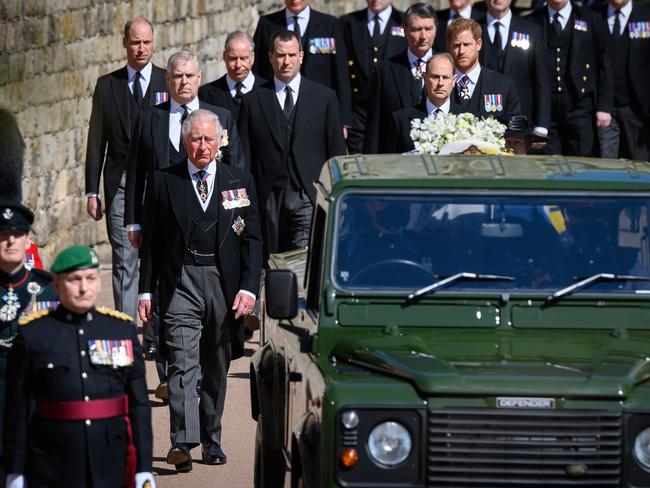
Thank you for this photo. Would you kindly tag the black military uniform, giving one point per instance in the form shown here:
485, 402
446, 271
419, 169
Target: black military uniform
21, 292
85, 375
365, 50
582, 80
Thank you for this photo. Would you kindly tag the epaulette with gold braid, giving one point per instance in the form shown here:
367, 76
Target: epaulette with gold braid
30, 317
115, 314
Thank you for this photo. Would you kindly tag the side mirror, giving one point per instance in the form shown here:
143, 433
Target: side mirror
281, 289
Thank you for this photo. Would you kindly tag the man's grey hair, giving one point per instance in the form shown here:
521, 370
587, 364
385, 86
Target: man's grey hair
202, 114
181, 57
239, 35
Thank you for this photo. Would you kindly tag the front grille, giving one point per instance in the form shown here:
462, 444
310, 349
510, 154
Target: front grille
476, 448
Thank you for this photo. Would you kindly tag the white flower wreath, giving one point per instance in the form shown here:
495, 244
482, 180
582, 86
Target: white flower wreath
430, 134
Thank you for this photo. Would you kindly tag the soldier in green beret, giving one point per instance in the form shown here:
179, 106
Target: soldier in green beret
82, 368
21, 290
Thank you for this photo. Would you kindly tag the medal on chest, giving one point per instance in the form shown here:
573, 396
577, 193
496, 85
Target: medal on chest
10, 301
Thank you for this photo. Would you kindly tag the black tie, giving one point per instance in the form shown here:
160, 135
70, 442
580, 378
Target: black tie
437, 112
296, 27
616, 33
137, 88
238, 93
183, 117
288, 102
497, 37
557, 26
201, 184
376, 32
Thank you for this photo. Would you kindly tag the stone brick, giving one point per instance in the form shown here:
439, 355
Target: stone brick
10, 9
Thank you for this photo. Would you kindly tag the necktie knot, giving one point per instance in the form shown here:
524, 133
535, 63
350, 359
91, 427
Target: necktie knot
238, 91
201, 184
419, 68
463, 87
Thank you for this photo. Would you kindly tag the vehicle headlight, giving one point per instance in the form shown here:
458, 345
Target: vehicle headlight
389, 443
642, 448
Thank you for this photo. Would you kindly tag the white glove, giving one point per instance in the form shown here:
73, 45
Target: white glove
15, 480
140, 480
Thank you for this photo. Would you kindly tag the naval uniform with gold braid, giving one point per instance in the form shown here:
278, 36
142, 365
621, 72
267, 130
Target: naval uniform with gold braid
86, 376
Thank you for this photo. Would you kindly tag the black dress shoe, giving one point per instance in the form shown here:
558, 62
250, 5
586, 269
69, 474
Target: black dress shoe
150, 351
212, 454
179, 455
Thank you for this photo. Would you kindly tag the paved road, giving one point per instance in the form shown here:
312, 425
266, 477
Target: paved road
238, 428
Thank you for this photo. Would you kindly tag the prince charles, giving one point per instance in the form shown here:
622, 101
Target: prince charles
202, 249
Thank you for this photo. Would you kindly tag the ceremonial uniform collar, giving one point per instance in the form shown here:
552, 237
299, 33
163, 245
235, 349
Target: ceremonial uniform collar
15, 279
65, 315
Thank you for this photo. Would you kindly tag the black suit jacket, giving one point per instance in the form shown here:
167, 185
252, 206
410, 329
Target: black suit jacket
109, 130
150, 151
392, 88
327, 69
317, 135
638, 57
491, 83
399, 140
478, 14
218, 94
588, 64
354, 29
167, 213
527, 67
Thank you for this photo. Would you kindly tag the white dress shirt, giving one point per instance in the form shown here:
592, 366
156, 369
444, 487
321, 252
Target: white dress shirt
624, 16
175, 115
431, 108
384, 16
211, 169
303, 20
145, 77
281, 94
465, 13
247, 84
505, 28
565, 12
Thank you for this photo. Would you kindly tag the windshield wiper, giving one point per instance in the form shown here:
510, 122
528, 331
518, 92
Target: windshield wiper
412, 297
551, 299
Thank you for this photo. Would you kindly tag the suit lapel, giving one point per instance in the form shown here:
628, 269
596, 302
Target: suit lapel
394, 44
510, 51
120, 89
270, 111
178, 185
402, 78
358, 32
225, 181
302, 108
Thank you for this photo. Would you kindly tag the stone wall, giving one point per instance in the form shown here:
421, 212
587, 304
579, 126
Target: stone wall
51, 54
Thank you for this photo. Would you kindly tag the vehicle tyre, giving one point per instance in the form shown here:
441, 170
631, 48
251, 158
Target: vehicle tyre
268, 462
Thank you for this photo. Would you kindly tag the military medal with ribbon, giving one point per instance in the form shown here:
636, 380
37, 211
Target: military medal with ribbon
521, 40
111, 352
493, 102
9, 310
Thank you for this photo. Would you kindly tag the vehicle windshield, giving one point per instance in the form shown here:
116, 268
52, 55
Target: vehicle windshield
405, 241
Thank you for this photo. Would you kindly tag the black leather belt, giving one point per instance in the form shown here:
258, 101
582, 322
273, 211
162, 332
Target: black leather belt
192, 256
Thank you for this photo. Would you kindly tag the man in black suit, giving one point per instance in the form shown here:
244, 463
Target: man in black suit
370, 35
324, 55
207, 275
397, 82
628, 135
117, 100
458, 9
302, 118
439, 81
514, 47
227, 91
582, 81
151, 150
479, 90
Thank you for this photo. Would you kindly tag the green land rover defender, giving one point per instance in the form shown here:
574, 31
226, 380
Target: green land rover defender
461, 321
